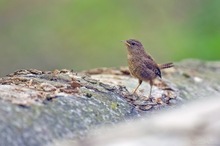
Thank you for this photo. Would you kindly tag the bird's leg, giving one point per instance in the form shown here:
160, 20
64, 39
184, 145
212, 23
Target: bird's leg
151, 84
139, 81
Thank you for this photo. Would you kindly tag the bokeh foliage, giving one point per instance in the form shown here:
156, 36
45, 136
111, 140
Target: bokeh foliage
82, 34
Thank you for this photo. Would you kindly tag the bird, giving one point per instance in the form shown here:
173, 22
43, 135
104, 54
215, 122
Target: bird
141, 65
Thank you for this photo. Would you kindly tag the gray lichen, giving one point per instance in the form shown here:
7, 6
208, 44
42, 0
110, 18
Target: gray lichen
38, 107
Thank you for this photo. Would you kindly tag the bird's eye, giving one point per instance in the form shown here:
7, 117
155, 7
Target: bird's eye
132, 44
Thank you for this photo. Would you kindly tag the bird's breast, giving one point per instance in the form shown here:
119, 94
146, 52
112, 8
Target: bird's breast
133, 64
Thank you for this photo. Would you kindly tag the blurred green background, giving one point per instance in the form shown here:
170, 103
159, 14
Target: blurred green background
83, 34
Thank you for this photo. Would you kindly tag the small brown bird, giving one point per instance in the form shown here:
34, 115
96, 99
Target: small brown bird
142, 65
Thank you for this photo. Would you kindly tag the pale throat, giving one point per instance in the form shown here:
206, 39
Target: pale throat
135, 53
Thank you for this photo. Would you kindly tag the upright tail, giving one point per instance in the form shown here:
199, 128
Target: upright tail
166, 65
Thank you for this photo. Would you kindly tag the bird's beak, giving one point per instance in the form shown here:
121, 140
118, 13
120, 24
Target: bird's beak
126, 43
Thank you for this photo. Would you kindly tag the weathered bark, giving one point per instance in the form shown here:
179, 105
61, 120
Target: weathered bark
38, 107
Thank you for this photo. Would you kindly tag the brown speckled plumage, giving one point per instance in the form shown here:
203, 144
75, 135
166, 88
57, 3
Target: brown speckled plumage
142, 65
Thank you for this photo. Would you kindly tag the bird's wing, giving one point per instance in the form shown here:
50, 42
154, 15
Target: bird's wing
151, 65
148, 70
148, 57
157, 71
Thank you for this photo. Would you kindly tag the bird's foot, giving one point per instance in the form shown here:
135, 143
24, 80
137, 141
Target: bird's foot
132, 96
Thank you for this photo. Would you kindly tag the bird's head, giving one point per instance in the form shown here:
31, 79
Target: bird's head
134, 46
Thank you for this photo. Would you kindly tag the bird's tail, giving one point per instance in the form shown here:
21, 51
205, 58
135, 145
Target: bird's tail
166, 65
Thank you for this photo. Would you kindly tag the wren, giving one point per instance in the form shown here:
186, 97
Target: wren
141, 65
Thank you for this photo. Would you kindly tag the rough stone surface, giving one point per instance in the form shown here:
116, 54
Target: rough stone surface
197, 124
38, 107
